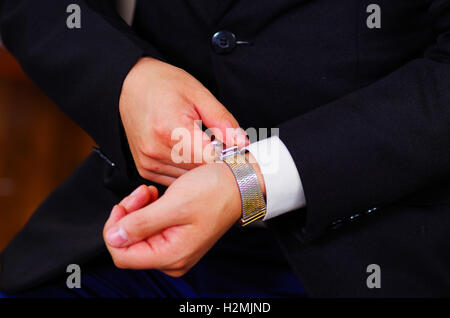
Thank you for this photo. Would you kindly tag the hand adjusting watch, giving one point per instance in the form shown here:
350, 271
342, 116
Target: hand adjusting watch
252, 199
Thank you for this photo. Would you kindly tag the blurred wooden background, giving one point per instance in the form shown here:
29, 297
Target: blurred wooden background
39, 147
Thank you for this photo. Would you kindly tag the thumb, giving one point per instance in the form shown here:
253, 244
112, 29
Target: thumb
217, 118
141, 224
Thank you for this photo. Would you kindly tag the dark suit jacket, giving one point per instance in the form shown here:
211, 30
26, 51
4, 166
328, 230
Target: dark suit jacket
364, 112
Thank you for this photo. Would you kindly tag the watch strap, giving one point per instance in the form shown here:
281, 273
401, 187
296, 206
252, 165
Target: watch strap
252, 198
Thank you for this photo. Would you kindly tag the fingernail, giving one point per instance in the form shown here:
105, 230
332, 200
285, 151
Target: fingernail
116, 236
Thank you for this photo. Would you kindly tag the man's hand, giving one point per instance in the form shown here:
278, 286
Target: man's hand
157, 98
174, 232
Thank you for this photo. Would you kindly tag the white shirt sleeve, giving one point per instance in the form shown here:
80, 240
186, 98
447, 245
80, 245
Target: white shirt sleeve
284, 189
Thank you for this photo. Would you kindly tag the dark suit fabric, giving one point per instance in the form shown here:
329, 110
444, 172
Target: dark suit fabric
364, 112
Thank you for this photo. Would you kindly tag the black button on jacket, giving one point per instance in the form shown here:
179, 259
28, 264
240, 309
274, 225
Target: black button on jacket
364, 111
223, 42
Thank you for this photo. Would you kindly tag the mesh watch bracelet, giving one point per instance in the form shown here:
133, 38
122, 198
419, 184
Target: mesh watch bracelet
252, 199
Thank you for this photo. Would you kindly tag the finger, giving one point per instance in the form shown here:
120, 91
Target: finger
162, 167
140, 256
157, 178
187, 149
174, 273
183, 166
241, 138
142, 196
216, 117
142, 224
202, 150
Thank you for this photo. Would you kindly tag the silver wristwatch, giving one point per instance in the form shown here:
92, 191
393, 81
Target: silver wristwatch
252, 199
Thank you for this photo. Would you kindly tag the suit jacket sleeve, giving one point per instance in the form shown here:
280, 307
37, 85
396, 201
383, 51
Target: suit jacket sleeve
378, 144
82, 70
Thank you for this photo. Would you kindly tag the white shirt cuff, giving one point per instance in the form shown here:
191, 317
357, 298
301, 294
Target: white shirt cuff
284, 189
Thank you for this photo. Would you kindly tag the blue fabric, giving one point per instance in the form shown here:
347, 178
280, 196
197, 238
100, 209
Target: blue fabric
230, 269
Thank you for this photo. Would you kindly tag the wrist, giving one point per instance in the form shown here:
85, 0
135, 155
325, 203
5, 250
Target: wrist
134, 79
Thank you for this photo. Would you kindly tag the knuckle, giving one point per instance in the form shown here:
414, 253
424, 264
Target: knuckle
142, 172
180, 265
140, 224
153, 167
175, 274
151, 151
160, 129
118, 263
